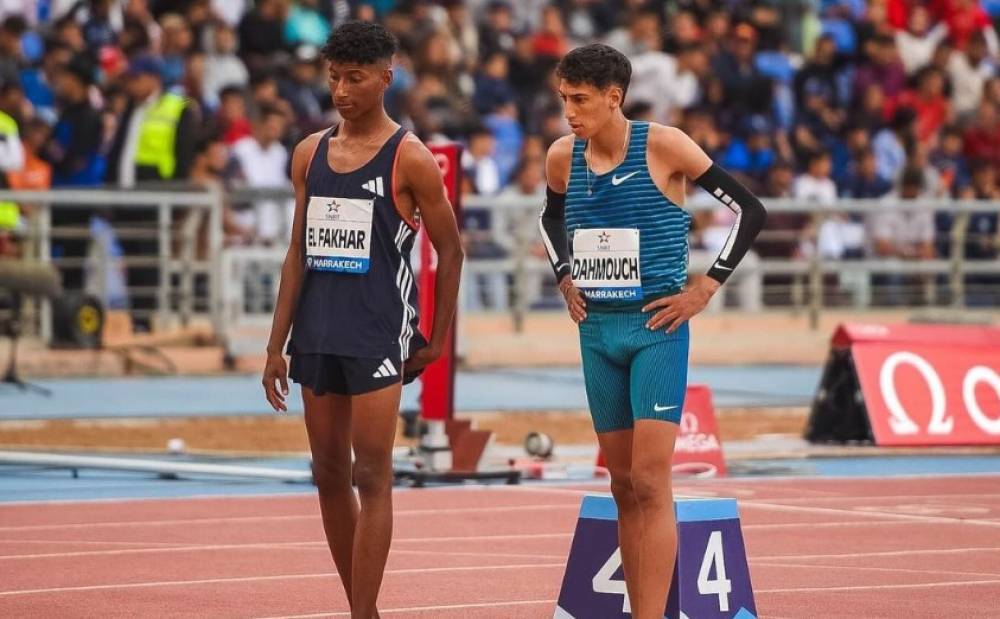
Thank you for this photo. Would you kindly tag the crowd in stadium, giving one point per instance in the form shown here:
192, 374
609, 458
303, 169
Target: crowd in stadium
814, 100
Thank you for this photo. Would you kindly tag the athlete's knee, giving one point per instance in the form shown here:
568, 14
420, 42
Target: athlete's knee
331, 476
372, 479
622, 490
650, 487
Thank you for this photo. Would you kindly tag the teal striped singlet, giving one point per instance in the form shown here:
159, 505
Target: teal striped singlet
626, 198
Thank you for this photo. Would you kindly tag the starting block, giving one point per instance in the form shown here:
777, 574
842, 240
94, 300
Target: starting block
711, 578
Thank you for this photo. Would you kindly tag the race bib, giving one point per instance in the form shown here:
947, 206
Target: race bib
606, 264
339, 234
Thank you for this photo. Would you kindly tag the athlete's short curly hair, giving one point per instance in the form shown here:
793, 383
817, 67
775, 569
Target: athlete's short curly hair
360, 42
598, 65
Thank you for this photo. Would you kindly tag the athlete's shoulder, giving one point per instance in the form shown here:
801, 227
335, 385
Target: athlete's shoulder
665, 135
557, 163
413, 154
303, 154
671, 147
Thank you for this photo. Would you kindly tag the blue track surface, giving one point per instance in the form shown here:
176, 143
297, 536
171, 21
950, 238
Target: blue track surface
512, 389
24, 483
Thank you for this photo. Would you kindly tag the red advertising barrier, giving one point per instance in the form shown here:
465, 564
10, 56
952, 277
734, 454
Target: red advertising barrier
918, 385
437, 394
698, 450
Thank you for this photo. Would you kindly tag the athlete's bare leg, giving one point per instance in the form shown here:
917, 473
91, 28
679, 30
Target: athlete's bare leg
617, 450
328, 422
652, 452
372, 441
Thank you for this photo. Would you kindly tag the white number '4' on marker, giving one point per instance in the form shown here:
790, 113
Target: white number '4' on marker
721, 586
603, 582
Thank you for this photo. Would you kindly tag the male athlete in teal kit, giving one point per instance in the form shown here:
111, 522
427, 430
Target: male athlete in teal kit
617, 239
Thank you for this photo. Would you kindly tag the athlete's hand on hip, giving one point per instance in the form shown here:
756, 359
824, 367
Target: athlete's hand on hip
422, 358
676, 309
275, 375
575, 302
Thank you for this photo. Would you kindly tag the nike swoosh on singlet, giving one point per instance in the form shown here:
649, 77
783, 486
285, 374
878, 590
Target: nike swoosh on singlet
618, 181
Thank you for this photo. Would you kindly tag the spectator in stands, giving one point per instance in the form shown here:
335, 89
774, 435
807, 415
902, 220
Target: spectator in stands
747, 91
890, 144
175, 43
949, 161
864, 182
208, 171
919, 40
305, 91
11, 61
493, 88
481, 170
881, 67
898, 233
231, 121
929, 103
222, 66
965, 19
497, 33
11, 160
262, 33
75, 148
821, 75
982, 139
982, 238
263, 160
157, 134
36, 173
837, 235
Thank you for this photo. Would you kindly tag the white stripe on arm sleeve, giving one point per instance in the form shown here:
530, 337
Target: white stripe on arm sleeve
750, 217
552, 226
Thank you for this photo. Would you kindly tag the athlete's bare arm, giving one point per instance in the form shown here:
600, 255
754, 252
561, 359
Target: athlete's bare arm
674, 158
553, 223
276, 370
420, 177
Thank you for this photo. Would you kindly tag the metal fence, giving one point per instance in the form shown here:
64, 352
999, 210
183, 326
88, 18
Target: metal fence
195, 275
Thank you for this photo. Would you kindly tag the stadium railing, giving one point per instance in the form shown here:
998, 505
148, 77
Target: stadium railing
235, 286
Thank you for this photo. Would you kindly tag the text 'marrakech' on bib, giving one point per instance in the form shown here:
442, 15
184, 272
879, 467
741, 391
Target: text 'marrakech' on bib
339, 234
606, 263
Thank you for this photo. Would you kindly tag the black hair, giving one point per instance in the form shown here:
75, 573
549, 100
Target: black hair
231, 90
361, 43
266, 111
912, 177
598, 65
206, 141
258, 78
14, 25
816, 155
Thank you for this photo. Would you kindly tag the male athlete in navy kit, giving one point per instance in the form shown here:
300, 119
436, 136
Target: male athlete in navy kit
617, 239
349, 297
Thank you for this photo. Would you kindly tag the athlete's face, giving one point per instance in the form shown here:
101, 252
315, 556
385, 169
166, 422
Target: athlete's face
356, 88
587, 107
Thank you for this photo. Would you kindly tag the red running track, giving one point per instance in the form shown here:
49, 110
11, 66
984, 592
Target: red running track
906, 547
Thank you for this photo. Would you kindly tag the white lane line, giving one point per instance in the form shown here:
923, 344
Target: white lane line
188, 583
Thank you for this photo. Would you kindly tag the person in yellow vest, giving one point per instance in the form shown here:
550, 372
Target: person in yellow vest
154, 142
156, 138
11, 160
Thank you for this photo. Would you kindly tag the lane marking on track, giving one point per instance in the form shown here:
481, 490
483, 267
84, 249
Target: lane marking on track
415, 609
276, 577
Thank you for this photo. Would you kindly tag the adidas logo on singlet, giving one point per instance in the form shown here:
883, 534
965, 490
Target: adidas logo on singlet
386, 369
375, 186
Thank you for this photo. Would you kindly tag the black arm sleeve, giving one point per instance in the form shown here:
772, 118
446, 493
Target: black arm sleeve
750, 217
552, 225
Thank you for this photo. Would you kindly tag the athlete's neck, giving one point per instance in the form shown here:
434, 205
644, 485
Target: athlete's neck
607, 143
367, 125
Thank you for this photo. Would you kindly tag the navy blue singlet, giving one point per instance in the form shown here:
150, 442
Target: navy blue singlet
358, 296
